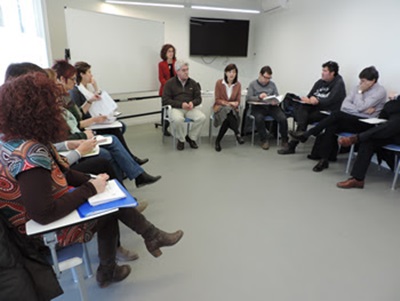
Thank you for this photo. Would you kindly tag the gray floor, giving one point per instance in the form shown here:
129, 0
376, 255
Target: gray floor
258, 226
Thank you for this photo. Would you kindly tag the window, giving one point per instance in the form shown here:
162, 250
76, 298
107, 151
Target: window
22, 34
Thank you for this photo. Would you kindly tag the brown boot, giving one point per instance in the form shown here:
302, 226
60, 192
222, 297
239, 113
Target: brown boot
107, 274
155, 239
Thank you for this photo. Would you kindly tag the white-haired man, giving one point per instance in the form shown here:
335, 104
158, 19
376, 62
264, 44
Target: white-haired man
183, 95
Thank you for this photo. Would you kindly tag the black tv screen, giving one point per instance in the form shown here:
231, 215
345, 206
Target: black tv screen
220, 37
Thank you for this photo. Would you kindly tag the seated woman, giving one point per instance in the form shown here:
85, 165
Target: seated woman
81, 103
226, 107
34, 179
122, 160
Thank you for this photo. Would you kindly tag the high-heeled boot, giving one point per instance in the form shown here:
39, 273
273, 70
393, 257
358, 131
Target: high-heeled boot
155, 239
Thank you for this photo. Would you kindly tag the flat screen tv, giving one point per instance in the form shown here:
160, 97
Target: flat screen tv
218, 37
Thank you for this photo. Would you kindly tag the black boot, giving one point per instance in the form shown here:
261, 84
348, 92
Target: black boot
107, 274
322, 164
218, 146
140, 161
155, 239
146, 179
289, 149
239, 139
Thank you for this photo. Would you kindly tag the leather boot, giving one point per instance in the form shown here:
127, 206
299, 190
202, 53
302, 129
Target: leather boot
218, 146
107, 274
145, 179
140, 161
155, 239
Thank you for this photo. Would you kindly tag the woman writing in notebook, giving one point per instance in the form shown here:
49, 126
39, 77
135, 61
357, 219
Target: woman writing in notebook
34, 179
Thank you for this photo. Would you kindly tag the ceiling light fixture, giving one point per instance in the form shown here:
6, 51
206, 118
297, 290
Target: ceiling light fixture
145, 3
233, 10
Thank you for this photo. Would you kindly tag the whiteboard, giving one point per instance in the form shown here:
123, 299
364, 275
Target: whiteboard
124, 52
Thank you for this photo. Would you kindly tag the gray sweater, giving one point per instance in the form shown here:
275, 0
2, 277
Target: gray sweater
256, 88
356, 103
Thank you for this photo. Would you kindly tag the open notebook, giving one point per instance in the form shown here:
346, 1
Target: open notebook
115, 196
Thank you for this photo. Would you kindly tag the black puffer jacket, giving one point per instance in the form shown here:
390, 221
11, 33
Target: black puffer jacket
24, 271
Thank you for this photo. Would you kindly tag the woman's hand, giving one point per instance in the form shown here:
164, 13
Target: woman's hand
100, 182
89, 134
99, 119
86, 146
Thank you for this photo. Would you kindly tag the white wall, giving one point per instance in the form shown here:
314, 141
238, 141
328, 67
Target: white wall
356, 33
176, 33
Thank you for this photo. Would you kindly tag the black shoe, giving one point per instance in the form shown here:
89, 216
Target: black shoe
180, 146
167, 133
191, 142
146, 179
217, 146
299, 135
239, 139
322, 164
286, 151
140, 161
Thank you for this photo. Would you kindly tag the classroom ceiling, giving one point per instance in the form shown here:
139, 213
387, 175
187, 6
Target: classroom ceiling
249, 4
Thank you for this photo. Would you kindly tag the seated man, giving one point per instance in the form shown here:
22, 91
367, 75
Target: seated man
365, 101
258, 90
183, 95
372, 140
327, 94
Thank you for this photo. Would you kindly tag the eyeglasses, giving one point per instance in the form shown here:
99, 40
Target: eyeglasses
266, 77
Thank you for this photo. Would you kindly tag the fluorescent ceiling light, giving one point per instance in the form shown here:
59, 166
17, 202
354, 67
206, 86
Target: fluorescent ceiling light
233, 10
145, 3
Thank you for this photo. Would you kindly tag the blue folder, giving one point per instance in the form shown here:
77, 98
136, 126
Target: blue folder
129, 201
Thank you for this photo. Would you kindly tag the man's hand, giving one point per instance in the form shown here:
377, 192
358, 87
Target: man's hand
191, 105
305, 99
313, 100
370, 111
86, 146
393, 95
185, 106
262, 95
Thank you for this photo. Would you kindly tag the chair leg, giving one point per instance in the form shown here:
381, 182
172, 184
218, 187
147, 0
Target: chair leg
210, 132
396, 171
252, 131
79, 280
349, 159
86, 261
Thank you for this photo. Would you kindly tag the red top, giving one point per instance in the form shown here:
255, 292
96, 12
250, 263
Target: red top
164, 74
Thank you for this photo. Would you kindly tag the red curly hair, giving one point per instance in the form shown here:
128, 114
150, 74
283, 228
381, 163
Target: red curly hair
30, 109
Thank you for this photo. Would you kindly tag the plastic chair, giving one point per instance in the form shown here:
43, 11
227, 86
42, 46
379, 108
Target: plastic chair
70, 257
351, 154
396, 149
167, 112
253, 125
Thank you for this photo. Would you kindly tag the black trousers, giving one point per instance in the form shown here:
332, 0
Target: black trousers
371, 141
306, 114
231, 122
337, 122
261, 111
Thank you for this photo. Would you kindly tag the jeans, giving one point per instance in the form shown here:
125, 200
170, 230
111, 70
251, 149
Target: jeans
120, 159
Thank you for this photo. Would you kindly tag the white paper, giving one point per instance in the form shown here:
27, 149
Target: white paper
111, 193
373, 120
99, 126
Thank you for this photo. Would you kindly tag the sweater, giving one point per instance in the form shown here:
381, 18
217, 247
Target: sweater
256, 88
221, 95
164, 74
175, 94
330, 95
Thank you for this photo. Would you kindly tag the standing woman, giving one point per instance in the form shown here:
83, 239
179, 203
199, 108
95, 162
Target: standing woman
166, 70
226, 106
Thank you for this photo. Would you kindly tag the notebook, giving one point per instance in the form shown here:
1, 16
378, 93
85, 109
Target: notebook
103, 140
94, 152
111, 193
127, 200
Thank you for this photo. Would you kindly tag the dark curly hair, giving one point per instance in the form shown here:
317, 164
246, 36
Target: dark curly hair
164, 49
30, 109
